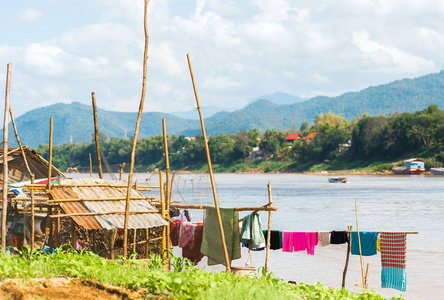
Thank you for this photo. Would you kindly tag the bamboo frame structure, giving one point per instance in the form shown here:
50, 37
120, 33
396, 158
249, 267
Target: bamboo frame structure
167, 187
5, 157
96, 134
136, 133
247, 208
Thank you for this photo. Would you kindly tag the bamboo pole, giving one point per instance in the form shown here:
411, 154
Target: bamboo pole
32, 215
57, 229
162, 210
121, 171
111, 242
210, 169
73, 234
19, 142
136, 133
140, 187
344, 274
134, 240
147, 242
359, 243
51, 237
247, 208
96, 134
167, 190
90, 166
102, 213
50, 153
267, 256
95, 199
5, 157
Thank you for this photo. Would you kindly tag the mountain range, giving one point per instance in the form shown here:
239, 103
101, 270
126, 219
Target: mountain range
278, 111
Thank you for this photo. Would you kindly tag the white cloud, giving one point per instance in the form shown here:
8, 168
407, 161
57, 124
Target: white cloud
29, 15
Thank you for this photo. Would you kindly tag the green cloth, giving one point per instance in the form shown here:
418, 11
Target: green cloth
251, 232
211, 239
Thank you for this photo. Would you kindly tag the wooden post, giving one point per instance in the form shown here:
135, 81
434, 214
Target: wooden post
267, 256
162, 212
210, 169
32, 214
167, 189
136, 133
57, 229
359, 243
50, 155
111, 242
96, 134
134, 240
147, 245
349, 229
5, 156
122, 166
51, 222
90, 166
73, 234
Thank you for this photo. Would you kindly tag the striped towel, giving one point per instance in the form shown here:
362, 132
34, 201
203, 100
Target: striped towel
393, 248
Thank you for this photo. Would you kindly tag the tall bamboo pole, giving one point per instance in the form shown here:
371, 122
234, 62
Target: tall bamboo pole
162, 212
90, 166
167, 187
210, 169
5, 156
96, 134
359, 243
50, 154
344, 274
19, 142
270, 202
136, 133
32, 214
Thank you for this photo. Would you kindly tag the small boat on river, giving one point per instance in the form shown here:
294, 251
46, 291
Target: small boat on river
337, 179
412, 166
437, 171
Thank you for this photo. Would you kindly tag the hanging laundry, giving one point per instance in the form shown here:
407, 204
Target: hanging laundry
174, 232
192, 249
299, 241
338, 237
186, 233
393, 250
287, 241
251, 233
324, 238
311, 240
275, 239
211, 240
368, 242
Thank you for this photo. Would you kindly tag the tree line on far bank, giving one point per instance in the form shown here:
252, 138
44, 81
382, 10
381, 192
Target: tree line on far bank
368, 140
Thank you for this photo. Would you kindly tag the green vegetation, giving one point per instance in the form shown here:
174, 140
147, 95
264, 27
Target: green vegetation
366, 143
184, 282
76, 119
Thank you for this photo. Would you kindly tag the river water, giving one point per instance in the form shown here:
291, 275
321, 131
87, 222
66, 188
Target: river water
310, 203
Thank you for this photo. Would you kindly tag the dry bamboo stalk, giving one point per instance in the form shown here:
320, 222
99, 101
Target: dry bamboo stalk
147, 243
249, 208
50, 153
134, 240
40, 186
103, 213
57, 230
167, 189
5, 157
111, 242
32, 215
96, 134
366, 276
90, 166
267, 256
136, 133
51, 238
162, 210
359, 243
210, 169
95, 199
122, 166
73, 234
349, 229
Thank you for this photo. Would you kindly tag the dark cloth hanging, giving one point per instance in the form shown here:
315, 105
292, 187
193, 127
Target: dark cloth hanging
338, 237
192, 249
275, 239
174, 232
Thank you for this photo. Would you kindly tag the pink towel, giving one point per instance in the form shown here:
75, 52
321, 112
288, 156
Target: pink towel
311, 240
287, 241
186, 233
299, 241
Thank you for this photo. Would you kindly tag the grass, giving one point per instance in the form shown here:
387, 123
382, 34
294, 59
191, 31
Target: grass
184, 282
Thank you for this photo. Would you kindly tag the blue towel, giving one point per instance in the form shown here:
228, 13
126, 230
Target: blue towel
394, 278
368, 242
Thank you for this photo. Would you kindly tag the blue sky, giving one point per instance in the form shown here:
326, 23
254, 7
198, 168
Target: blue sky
61, 51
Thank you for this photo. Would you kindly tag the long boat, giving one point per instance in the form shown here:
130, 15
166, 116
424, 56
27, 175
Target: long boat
412, 166
337, 179
437, 171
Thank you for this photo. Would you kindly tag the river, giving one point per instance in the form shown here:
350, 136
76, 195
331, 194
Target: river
310, 203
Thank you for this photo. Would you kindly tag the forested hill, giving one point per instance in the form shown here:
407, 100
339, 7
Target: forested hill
407, 95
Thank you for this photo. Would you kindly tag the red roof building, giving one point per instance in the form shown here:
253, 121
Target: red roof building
293, 137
